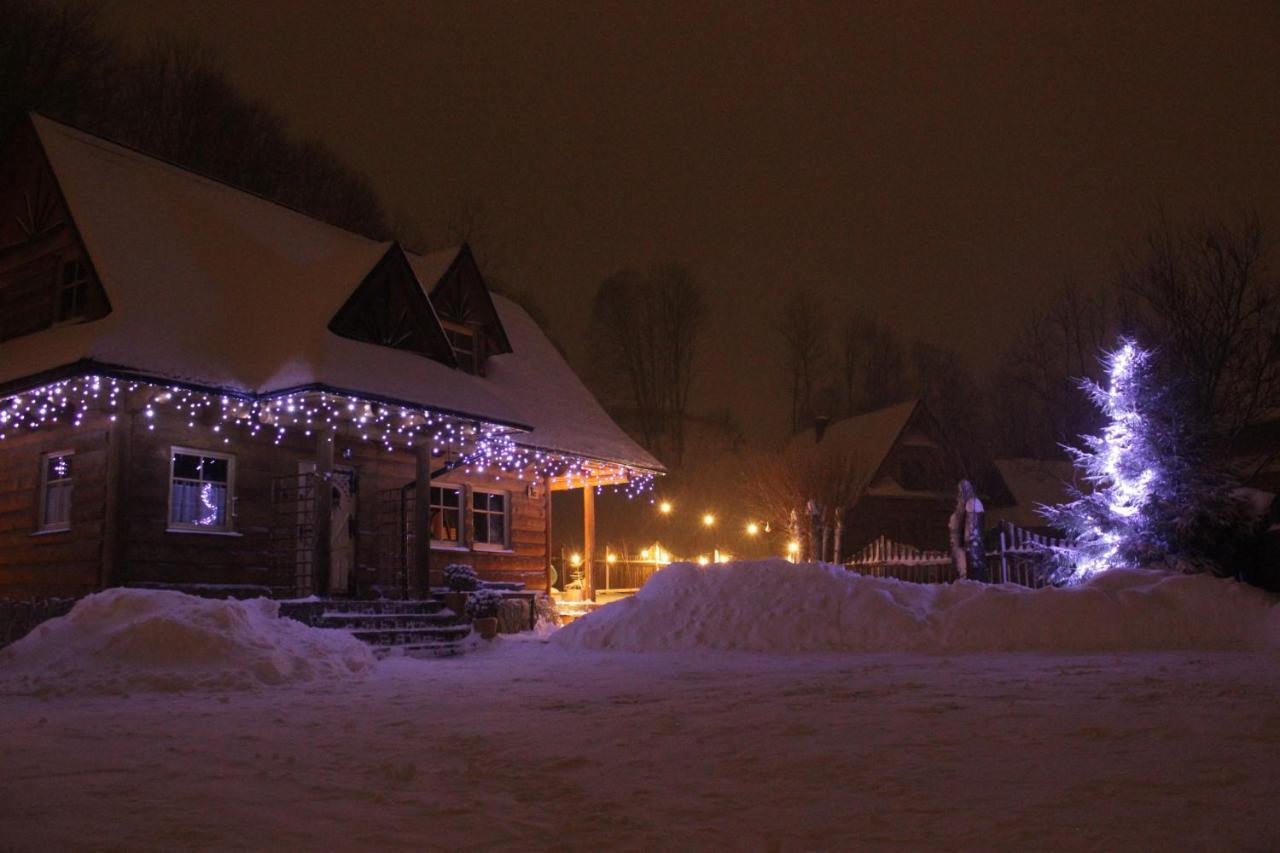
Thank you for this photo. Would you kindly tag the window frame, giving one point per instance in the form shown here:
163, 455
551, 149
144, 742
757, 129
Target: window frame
79, 287
229, 510
505, 545
461, 491
42, 506
471, 359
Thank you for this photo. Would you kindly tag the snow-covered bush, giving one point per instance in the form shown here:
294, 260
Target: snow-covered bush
484, 604
460, 577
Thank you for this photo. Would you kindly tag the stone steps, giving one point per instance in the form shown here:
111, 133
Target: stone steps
421, 628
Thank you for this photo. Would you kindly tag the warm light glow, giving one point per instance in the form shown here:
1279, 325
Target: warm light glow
665, 507
793, 547
611, 557
702, 561
644, 555
752, 528
708, 520
575, 559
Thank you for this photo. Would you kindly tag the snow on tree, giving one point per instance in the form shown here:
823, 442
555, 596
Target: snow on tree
1152, 497
1111, 524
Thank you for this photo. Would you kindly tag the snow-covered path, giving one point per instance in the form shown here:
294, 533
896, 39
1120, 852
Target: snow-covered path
532, 746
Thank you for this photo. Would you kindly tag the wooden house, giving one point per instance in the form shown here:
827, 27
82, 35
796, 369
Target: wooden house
201, 387
906, 485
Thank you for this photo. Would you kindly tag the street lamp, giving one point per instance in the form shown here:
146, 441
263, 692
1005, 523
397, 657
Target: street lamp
708, 520
665, 507
752, 528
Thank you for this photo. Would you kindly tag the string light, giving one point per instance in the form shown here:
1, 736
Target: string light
473, 447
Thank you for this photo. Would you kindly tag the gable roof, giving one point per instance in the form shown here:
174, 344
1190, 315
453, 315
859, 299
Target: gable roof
1033, 483
218, 288
871, 435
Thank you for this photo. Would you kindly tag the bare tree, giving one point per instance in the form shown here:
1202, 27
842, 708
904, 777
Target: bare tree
1036, 393
804, 354
646, 326
810, 488
872, 365
1206, 296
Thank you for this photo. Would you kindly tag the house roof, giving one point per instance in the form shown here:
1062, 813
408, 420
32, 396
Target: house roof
871, 435
1033, 483
215, 287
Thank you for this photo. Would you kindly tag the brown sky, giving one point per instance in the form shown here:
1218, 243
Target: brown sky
941, 163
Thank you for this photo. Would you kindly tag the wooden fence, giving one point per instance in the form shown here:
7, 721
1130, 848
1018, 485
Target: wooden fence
1016, 556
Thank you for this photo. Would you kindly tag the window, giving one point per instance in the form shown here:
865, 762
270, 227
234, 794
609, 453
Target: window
73, 288
465, 346
446, 515
200, 490
55, 491
489, 518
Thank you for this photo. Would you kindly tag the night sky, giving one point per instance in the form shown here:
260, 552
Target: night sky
940, 163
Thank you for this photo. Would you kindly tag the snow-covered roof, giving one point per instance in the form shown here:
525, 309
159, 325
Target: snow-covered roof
1032, 483
215, 287
871, 436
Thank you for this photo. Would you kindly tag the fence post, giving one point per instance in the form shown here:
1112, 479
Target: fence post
1004, 562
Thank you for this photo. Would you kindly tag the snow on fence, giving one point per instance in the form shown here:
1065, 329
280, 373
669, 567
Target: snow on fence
885, 558
1018, 556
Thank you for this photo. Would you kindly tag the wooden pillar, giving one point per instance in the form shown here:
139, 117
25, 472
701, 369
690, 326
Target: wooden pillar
422, 519
546, 485
322, 491
115, 513
588, 542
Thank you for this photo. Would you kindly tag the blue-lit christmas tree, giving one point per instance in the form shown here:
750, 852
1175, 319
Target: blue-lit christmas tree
1111, 523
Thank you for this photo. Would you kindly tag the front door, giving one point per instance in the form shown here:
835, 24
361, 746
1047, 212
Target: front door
342, 526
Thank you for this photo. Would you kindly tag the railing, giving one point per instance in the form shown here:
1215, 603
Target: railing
622, 575
293, 534
885, 558
1018, 557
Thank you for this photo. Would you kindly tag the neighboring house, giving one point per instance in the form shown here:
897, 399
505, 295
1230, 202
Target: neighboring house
1025, 486
198, 386
910, 475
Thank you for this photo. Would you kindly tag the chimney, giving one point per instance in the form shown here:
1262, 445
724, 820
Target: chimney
820, 427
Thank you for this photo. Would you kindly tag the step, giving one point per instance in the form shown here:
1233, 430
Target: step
421, 650
384, 605
385, 620
409, 636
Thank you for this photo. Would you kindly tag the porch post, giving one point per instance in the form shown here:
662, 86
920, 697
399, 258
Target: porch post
323, 502
588, 542
422, 517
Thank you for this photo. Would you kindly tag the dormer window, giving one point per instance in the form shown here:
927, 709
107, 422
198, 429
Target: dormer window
72, 292
466, 347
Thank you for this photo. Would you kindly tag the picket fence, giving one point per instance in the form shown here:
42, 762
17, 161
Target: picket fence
1017, 556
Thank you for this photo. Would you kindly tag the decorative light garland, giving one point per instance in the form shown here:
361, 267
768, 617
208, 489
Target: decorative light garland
481, 448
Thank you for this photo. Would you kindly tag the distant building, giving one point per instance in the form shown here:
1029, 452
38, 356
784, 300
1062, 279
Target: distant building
1026, 485
201, 387
911, 475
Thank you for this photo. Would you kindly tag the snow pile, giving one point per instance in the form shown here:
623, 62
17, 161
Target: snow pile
775, 606
125, 639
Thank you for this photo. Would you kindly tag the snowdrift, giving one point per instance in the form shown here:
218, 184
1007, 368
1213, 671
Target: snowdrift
776, 606
128, 639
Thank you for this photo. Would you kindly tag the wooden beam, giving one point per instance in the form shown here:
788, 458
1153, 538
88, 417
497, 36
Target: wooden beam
422, 519
588, 542
115, 512
546, 484
323, 492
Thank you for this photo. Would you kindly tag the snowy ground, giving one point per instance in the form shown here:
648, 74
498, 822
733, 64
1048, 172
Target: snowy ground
529, 745
146, 721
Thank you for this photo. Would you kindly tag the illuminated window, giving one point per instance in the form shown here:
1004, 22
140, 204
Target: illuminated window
73, 288
489, 518
200, 490
55, 491
446, 515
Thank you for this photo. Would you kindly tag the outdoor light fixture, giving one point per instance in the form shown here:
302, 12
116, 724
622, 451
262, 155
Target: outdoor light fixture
702, 561
752, 528
575, 559
708, 520
611, 557
665, 507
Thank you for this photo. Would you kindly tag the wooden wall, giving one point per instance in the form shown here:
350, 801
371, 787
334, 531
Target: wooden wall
62, 563
82, 559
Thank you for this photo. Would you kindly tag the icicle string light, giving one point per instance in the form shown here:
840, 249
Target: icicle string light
476, 448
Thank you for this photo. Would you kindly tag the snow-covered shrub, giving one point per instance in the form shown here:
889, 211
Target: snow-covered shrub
460, 577
484, 604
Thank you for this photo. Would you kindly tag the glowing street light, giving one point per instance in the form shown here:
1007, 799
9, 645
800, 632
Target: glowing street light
575, 559
665, 507
702, 561
752, 528
708, 520
611, 557
793, 548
